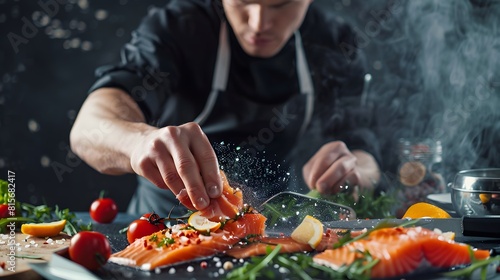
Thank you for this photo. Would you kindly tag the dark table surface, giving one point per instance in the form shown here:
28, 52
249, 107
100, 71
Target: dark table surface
213, 271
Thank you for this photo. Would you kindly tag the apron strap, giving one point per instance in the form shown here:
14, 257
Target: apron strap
221, 74
305, 82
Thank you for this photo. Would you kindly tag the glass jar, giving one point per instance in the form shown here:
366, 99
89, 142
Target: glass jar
419, 173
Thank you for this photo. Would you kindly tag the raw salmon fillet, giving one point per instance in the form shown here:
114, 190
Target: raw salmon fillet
181, 243
259, 247
400, 251
227, 206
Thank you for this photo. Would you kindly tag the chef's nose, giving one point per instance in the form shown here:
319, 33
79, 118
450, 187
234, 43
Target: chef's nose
259, 18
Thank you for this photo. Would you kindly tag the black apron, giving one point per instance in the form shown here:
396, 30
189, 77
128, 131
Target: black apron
260, 133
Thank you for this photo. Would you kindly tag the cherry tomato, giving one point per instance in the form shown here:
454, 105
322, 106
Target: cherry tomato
148, 224
4, 211
90, 249
103, 210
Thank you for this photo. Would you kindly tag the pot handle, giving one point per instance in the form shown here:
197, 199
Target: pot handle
485, 226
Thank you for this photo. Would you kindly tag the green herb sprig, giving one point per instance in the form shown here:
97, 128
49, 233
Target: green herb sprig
367, 204
299, 266
28, 213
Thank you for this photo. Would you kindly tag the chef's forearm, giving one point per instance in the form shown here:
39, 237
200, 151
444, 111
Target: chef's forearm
368, 169
107, 126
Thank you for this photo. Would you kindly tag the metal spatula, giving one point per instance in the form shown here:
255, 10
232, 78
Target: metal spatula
286, 210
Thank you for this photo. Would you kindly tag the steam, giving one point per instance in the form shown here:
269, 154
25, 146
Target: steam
442, 80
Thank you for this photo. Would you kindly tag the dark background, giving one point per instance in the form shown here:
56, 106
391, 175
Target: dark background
435, 67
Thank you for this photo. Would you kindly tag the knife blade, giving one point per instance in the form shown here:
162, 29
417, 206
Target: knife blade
60, 268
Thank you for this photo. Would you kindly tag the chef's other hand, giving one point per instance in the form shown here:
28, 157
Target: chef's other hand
334, 167
180, 158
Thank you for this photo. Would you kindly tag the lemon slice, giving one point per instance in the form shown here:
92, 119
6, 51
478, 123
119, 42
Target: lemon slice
310, 231
425, 210
43, 229
412, 173
200, 223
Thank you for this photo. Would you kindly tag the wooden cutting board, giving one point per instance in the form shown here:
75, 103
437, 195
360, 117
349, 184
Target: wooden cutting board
17, 252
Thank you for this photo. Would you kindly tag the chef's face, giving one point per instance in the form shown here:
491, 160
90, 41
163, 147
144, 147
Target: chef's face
262, 27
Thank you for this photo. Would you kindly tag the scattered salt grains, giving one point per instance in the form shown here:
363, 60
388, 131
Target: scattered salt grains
241, 260
276, 266
171, 270
27, 246
218, 264
190, 269
221, 271
32, 242
4, 236
216, 259
50, 240
2, 242
157, 270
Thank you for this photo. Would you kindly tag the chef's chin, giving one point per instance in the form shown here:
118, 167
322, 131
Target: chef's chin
262, 49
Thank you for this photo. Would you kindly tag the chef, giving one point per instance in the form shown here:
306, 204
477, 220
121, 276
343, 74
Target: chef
269, 78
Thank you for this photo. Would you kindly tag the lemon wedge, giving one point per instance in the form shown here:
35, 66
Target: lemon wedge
43, 229
200, 223
310, 231
425, 210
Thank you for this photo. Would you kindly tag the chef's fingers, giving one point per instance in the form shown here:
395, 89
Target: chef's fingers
168, 176
321, 162
149, 170
183, 197
144, 162
345, 184
206, 158
337, 174
178, 144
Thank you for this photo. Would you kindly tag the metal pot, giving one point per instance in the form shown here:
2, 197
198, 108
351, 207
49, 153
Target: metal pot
476, 192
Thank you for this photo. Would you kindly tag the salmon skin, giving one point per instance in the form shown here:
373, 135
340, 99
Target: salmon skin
400, 251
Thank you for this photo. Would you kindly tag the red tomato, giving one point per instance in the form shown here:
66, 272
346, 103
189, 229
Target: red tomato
4, 211
148, 224
103, 210
90, 249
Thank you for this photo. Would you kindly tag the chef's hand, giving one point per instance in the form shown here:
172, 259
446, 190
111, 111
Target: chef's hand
180, 158
334, 167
